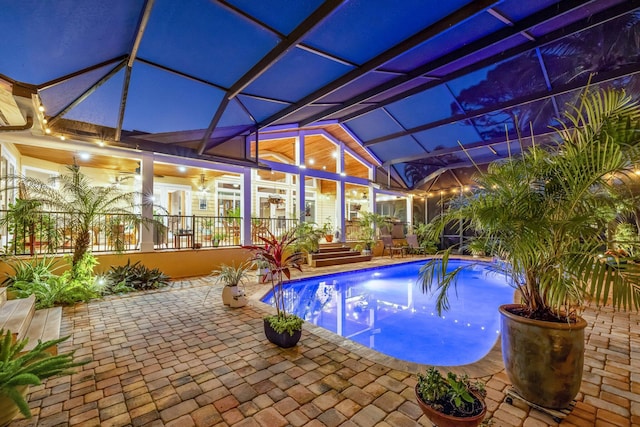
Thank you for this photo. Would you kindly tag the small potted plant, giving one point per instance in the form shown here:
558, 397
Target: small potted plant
308, 238
327, 228
232, 277
452, 401
19, 370
262, 270
207, 227
283, 329
367, 236
217, 238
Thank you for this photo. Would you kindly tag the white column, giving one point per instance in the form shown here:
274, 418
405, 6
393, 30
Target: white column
409, 211
146, 173
340, 194
245, 207
300, 189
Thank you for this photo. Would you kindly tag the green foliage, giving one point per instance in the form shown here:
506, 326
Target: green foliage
82, 270
289, 323
308, 236
477, 246
30, 368
370, 223
135, 276
427, 239
230, 275
626, 238
29, 270
451, 395
36, 276
547, 211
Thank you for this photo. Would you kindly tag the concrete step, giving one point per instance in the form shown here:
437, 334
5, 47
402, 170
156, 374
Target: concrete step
44, 326
340, 260
16, 315
336, 254
3, 295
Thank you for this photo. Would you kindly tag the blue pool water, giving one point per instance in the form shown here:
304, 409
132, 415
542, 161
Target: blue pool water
385, 309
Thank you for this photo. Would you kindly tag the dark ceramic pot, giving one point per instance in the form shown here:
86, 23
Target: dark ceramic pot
283, 340
543, 360
444, 420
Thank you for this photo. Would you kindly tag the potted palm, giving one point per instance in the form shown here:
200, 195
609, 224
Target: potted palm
453, 401
283, 329
308, 238
546, 214
20, 370
232, 276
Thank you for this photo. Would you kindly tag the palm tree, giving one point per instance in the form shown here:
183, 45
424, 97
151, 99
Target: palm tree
83, 201
547, 212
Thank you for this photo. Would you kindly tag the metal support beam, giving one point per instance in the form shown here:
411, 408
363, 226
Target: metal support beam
597, 78
469, 49
85, 94
573, 28
454, 18
142, 25
315, 18
55, 82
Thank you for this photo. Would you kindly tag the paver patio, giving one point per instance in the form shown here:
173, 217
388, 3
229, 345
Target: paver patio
171, 358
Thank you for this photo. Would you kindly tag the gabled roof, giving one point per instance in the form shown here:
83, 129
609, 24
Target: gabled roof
413, 81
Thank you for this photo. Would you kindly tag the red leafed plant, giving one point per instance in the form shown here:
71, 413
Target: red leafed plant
279, 254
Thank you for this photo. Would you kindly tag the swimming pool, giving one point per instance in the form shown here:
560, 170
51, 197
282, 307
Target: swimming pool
385, 309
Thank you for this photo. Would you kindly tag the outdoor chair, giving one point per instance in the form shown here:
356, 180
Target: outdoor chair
387, 241
413, 247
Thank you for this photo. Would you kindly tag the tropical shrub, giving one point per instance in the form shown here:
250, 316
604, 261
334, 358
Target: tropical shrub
37, 277
547, 212
136, 276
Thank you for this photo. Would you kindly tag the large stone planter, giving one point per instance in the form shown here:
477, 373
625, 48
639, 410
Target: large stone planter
543, 360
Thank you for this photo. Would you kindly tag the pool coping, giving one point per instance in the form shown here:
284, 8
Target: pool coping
490, 364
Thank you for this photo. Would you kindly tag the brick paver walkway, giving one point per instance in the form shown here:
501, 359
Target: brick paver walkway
172, 358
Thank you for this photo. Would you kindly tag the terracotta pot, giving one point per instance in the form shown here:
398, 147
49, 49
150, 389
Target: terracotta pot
543, 360
444, 420
8, 409
283, 340
329, 238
